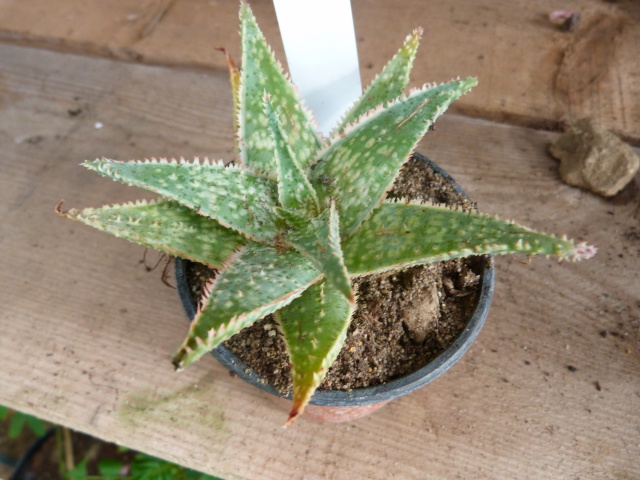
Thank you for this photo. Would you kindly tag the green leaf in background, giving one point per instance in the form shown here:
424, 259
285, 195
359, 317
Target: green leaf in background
79, 472
37, 426
145, 467
110, 469
15, 425
18, 420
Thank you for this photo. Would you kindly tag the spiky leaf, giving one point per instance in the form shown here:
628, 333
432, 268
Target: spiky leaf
320, 241
400, 235
257, 281
360, 167
261, 72
314, 327
236, 198
293, 219
389, 84
165, 226
234, 80
294, 189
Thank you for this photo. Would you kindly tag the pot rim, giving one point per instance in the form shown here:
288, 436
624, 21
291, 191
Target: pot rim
378, 393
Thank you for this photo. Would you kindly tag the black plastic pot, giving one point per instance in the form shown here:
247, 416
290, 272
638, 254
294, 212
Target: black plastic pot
380, 393
21, 471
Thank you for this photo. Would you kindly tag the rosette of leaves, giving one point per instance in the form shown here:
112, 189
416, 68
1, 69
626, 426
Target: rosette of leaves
298, 216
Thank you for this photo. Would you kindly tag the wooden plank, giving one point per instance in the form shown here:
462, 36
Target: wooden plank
87, 332
530, 72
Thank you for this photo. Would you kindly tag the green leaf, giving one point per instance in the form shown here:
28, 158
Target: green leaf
320, 241
37, 425
294, 189
314, 327
18, 421
236, 198
165, 226
400, 235
389, 84
145, 467
261, 73
293, 219
257, 281
110, 468
360, 165
79, 472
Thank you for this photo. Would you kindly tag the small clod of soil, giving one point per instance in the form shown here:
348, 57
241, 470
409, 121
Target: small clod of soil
403, 320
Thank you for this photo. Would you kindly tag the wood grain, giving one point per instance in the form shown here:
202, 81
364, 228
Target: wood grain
530, 72
88, 332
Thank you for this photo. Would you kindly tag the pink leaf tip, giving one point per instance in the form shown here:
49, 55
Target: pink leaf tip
583, 251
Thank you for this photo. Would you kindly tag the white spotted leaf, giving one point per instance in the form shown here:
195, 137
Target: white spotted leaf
294, 189
358, 168
400, 235
236, 198
260, 73
255, 282
320, 241
165, 226
388, 84
314, 327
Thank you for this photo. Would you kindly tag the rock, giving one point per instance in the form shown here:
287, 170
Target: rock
420, 318
593, 158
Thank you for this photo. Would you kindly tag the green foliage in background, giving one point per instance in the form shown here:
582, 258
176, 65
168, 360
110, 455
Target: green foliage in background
143, 467
18, 421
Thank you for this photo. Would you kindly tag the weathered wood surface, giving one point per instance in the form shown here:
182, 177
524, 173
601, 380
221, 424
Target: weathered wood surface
530, 72
87, 332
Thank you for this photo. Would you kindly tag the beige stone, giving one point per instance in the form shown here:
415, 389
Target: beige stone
593, 158
420, 317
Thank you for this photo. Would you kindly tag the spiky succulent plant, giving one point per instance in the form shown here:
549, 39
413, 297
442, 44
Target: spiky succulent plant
298, 216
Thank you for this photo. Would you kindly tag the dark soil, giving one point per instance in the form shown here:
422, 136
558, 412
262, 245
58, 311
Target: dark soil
403, 320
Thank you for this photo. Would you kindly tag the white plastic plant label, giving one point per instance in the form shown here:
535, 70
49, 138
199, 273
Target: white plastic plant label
320, 45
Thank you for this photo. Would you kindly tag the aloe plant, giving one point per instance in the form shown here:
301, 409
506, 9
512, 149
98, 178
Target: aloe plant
297, 216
